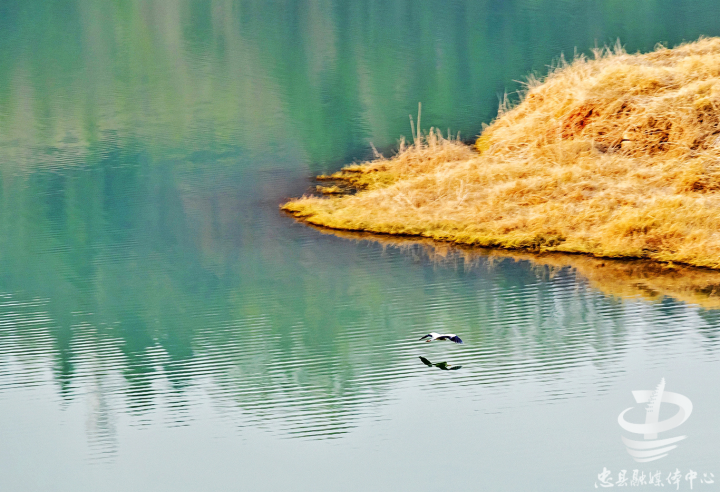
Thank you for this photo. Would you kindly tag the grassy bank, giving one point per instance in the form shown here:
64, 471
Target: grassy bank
615, 156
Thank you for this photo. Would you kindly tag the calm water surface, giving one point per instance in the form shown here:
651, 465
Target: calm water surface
164, 327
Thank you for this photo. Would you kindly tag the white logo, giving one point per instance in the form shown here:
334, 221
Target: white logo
653, 448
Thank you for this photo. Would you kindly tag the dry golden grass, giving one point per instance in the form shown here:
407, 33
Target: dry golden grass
615, 156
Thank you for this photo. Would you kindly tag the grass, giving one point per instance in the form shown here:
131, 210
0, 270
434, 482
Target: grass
616, 155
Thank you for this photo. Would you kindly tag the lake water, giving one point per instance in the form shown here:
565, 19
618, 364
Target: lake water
164, 327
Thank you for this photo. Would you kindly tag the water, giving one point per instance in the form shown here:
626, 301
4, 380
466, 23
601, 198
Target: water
164, 327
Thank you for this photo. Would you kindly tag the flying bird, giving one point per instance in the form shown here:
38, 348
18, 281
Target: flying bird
439, 365
437, 336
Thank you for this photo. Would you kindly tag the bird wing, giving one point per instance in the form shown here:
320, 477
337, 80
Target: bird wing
454, 368
455, 339
425, 361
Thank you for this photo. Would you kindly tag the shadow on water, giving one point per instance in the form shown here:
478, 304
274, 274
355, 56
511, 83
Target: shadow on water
440, 365
619, 278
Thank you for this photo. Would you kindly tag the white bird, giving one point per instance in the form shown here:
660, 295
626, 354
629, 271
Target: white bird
437, 336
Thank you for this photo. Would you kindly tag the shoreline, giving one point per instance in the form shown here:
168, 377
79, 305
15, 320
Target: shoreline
612, 157
622, 278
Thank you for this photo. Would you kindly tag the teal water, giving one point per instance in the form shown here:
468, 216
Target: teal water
164, 327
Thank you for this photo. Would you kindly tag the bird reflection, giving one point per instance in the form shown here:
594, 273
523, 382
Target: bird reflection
442, 365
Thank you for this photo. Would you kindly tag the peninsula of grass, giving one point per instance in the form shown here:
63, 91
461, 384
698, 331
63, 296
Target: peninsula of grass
616, 155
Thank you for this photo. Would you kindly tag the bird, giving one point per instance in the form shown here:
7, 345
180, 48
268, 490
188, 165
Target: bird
437, 336
439, 365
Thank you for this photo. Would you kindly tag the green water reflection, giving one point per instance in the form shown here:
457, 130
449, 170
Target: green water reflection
146, 145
